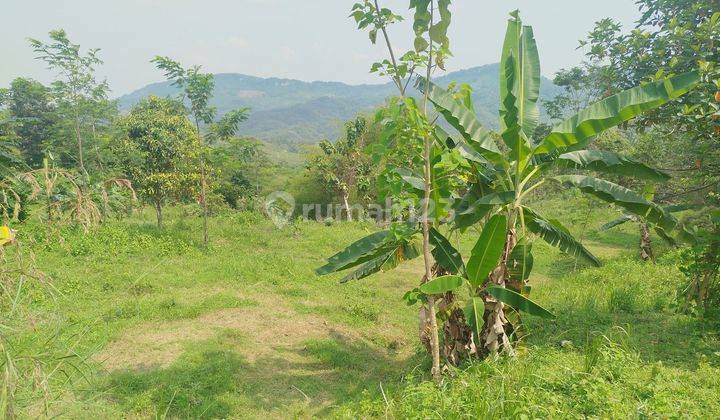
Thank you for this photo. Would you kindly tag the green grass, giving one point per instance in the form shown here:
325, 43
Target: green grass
156, 327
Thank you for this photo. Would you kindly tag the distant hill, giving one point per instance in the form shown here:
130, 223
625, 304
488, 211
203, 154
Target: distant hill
290, 112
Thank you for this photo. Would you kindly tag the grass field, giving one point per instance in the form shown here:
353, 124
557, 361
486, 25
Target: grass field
157, 328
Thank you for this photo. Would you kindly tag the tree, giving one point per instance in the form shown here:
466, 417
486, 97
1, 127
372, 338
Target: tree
431, 44
228, 126
239, 163
30, 106
81, 100
670, 37
500, 179
198, 89
11, 163
235, 161
579, 91
343, 166
159, 150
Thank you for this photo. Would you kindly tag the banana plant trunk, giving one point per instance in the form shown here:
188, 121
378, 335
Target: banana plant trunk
458, 344
646, 252
497, 329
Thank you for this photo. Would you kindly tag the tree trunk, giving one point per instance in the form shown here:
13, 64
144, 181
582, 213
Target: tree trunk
203, 198
158, 214
203, 185
78, 138
429, 330
646, 253
434, 336
497, 329
345, 196
427, 314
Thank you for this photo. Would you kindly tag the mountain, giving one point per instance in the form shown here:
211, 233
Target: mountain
291, 112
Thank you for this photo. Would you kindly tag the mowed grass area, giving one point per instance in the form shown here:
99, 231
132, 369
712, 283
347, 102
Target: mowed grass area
247, 330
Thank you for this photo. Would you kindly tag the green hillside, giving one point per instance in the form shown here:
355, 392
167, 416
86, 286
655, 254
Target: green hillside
289, 112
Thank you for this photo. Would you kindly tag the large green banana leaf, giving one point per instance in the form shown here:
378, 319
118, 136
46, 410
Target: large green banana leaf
461, 118
609, 162
467, 211
492, 199
623, 197
519, 89
487, 250
520, 261
442, 284
513, 135
617, 222
387, 260
556, 235
445, 254
474, 311
509, 72
530, 67
355, 254
518, 301
519, 78
616, 109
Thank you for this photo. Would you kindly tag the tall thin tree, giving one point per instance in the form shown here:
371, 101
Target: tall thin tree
198, 89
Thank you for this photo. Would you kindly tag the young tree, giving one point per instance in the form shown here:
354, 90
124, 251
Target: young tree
79, 96
431, 21
198, 89
343, 166
159, 151
701, 264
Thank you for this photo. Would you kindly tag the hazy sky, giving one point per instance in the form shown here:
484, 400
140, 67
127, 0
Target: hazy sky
300, 39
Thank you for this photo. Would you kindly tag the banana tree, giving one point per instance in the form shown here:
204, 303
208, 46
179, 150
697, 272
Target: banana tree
646, 249
507, 173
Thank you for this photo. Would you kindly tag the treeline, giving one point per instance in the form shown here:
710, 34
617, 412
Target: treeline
68, 154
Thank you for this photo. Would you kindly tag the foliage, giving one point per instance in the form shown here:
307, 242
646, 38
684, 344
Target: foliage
500, 177
228, 125
343, 167
34, 117
700, 264
81, 100
237, 166
670, 37
159, 150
